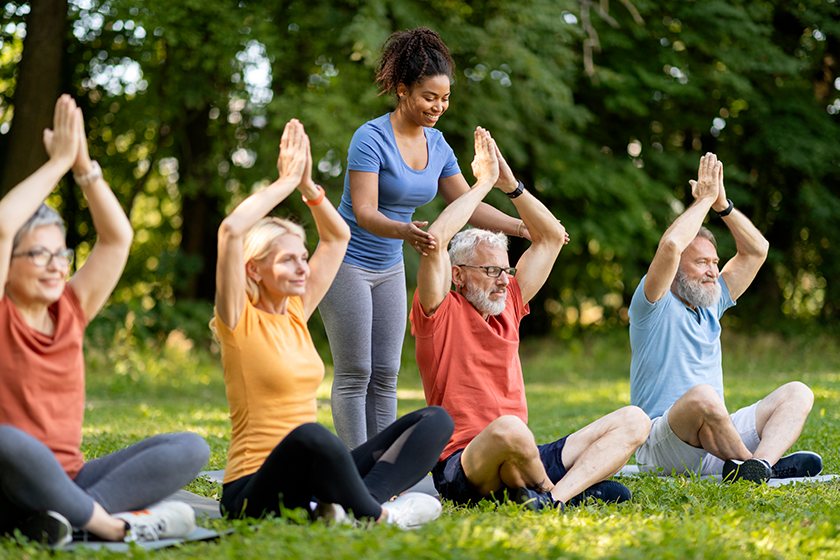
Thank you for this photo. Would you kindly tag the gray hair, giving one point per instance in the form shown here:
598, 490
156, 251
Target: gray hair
43, 216
708, 236
463, 245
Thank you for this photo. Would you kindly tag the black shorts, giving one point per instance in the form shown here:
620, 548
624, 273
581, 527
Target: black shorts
452, 483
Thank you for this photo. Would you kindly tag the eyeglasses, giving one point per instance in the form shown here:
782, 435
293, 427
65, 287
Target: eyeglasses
493, 271
42, 257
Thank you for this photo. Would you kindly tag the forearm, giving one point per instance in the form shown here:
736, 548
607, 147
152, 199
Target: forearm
25, 198
110, 222
456, 214
684, 229
330, 225
748, 240
541, 223
493, 219
257, 206
377, 223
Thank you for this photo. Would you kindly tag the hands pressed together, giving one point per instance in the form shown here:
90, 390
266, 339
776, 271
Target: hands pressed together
709, 183
66, 142
295, 159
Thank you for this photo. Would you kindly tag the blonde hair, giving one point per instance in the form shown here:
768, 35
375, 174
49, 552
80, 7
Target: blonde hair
257, 245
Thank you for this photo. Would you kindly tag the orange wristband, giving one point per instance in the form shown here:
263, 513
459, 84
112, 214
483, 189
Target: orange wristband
318, 200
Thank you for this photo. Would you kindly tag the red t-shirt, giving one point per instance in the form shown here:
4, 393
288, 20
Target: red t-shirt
42, 378
471, 366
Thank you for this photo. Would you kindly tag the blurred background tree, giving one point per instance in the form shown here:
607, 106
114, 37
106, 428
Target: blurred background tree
603, 109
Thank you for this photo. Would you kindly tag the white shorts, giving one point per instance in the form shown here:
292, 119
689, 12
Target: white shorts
664, 449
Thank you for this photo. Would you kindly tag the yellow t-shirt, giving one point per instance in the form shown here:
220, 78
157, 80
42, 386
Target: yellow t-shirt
272, 372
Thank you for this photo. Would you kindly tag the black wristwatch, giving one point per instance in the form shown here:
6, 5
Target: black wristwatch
726, 212
520, 188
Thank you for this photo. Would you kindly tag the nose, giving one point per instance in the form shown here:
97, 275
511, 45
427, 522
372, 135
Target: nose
503, 279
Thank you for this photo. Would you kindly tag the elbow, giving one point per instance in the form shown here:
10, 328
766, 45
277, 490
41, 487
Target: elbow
763, 248
669, 247
229, 229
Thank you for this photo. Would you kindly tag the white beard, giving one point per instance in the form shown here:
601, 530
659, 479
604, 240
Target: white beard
695, 293
482, 302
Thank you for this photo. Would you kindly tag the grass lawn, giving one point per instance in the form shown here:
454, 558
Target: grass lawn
137, 393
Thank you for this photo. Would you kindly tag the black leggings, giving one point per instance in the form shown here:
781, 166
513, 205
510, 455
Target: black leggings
311, 463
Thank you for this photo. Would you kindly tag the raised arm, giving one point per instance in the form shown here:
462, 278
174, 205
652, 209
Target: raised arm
230, 266
677, 237
95, 281
334, 234
751, 246
435, 274
25, 198
485, 216
547, 236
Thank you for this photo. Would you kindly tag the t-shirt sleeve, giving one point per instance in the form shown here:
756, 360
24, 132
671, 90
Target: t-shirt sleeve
725, 301
521, 309
641, 310
364, 153
423, 325
75, 306
451, 167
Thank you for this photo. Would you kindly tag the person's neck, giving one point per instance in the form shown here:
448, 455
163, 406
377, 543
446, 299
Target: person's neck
36, 315
403, 127
275, 306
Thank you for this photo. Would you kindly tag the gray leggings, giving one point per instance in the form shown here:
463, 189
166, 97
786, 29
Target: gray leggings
31, 478
364, 313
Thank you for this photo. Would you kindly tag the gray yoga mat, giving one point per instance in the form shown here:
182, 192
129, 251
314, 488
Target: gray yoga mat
205, 508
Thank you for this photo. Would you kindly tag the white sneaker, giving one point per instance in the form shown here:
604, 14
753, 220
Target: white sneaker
163, 520
412, 510
332, 514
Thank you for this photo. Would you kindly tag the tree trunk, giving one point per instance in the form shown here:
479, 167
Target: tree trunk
38, 87
200, 210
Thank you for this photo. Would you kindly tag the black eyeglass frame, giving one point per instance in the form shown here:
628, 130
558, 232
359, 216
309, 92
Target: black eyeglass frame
510, 270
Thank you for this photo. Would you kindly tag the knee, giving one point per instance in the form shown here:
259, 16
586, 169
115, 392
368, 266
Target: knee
315, 439
512, 434
635, 423
800, 394
704, 401
439, 421
194, 449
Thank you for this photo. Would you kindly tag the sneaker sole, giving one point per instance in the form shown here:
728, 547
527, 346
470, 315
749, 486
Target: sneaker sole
751, 470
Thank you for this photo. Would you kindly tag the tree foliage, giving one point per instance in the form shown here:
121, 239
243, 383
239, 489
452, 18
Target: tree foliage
602, 109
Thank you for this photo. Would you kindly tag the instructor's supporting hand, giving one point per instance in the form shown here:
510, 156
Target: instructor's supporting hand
420, 240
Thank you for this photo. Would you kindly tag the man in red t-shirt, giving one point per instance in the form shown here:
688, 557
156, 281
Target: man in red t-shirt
468, 355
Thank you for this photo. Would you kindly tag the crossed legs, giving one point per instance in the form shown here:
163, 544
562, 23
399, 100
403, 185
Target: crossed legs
505, 454
700, 419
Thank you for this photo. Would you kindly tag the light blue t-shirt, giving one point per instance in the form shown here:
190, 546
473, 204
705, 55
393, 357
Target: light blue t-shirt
674, 348
401, 188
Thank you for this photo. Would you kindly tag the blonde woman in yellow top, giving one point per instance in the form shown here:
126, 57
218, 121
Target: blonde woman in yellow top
267, 287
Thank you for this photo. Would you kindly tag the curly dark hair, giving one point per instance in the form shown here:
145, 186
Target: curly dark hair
410, 56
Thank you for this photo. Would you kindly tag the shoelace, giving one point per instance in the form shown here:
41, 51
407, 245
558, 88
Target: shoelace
146, 531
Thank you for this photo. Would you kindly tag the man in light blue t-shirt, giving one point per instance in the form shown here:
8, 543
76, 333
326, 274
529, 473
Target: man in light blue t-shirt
675, 372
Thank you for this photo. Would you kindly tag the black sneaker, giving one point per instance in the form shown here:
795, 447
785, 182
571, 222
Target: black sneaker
754, 470
536, 501
607, 491
48, 527
797, 465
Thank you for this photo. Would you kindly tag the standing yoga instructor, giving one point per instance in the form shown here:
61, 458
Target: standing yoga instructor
396, 163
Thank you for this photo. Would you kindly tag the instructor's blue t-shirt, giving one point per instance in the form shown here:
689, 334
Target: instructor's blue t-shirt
401, 188
674, 348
